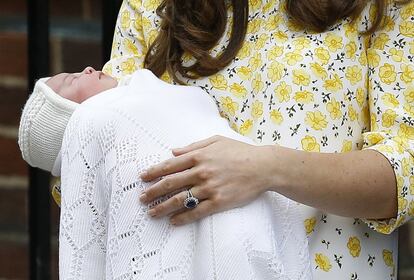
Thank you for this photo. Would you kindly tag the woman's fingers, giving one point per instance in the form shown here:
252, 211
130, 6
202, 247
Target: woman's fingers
174, 204
196, 145
169, 184
167, 167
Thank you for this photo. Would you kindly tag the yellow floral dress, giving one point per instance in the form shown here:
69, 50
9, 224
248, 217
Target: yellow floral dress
336, 91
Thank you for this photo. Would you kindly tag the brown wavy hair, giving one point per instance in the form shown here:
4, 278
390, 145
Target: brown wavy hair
196, 26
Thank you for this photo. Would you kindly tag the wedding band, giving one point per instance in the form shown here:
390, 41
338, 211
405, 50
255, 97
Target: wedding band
190, 202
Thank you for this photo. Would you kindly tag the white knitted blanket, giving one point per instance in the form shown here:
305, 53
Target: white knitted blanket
106, 233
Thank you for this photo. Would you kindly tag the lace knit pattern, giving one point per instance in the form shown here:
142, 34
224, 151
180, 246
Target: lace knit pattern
105, 231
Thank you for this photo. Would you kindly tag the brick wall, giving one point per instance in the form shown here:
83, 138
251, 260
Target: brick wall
75, 43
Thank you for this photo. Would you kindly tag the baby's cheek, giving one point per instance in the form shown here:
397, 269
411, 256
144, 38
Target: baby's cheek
70, 94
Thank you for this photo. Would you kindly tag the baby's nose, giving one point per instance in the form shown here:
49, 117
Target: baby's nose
88, 70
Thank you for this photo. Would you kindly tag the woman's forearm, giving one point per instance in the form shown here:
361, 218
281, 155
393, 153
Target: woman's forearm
355, 184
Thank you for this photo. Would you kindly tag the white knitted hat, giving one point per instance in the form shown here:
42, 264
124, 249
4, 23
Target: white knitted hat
42, 126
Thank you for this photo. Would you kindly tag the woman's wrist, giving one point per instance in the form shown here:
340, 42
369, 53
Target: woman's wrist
272, 167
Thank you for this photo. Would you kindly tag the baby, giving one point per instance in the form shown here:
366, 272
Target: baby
49, 108
78, 87
119, 130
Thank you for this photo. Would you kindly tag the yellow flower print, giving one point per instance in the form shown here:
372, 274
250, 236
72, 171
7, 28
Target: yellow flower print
273, 22
238, 90
283, 92
406, 166
244, 73
390, 100
388, 258
310, 225
293, 57
373, 58
128, 66
407, 28
274, 53
276, 117
281, 36
335, 84
409, 109
135, 4
319, 70
411, 209
151, 5
407, 11
254, 4
323, 55
350, 50
354, 246
360, 96
396, 55
407, 73
388, 118
301, 77
152, 35
387, 73
354, 74
229, 105
380, 41
374, 138
333, 42
257, 83
275, 71
257, 109
389, 23
409, 94
245, 51
303, 97
353, 115
125, 19
255, 62
131, 47
351, 30
246, 127
269, 5
218, 81
261, 41
254, 26
323, 262
309, 144
346, 146
406, 131
301, 43
363, 60
383, 228
385, 149
316, 120
334, 109
412, 47
373, 120
412, 185
144, 21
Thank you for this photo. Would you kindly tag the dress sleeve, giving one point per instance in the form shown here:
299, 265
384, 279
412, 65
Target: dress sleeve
391, 103
129, 45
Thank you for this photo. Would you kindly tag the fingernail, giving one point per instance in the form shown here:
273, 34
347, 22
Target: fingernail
143, 174
143, 197
151, 212
173, 222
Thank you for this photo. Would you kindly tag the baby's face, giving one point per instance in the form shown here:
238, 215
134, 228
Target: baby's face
80, 86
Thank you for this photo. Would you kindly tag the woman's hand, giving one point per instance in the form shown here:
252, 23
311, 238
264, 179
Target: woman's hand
222, 173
